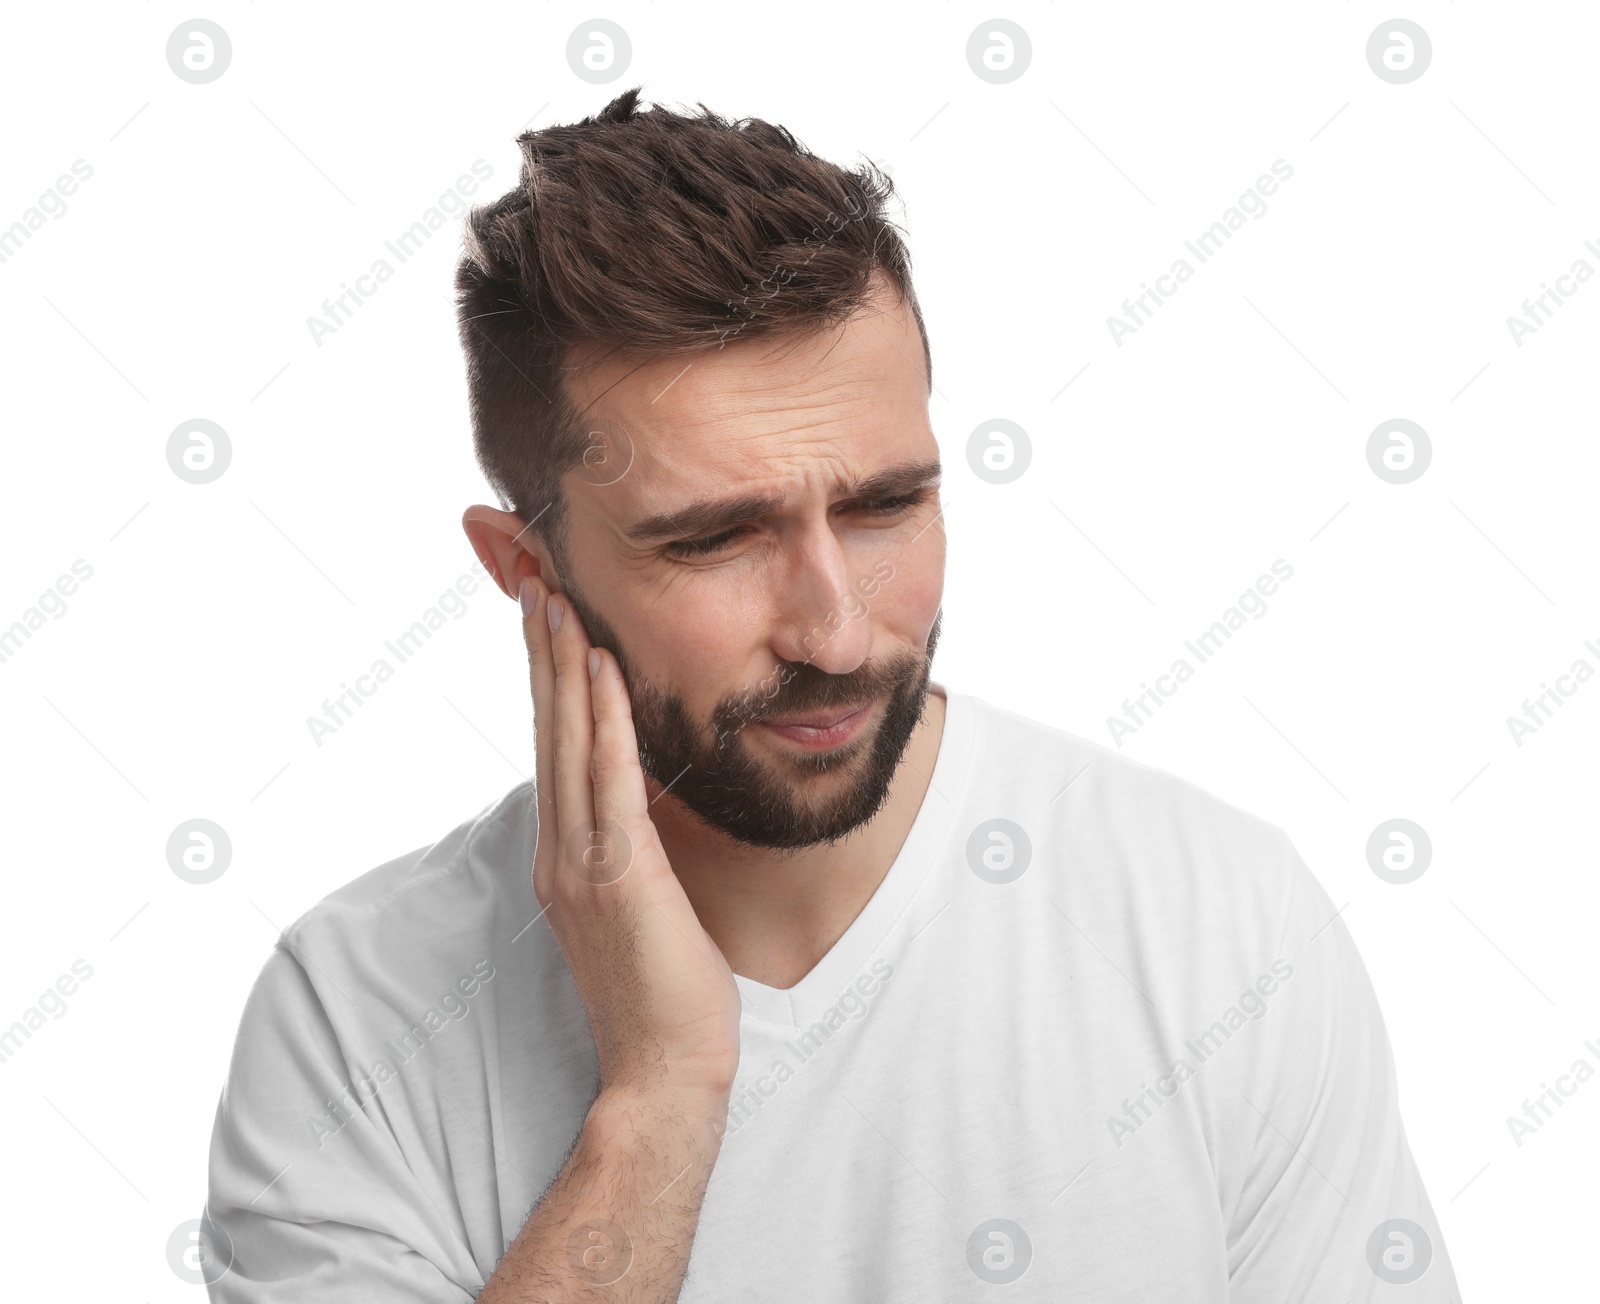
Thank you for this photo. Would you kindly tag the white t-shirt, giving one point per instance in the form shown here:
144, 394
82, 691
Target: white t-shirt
1097, 1036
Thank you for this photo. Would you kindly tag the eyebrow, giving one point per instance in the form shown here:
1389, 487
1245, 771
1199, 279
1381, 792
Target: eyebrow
713, 515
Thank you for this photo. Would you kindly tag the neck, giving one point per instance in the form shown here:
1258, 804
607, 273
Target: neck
775, 914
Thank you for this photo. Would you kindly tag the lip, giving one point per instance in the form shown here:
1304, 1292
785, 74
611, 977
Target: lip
824, 729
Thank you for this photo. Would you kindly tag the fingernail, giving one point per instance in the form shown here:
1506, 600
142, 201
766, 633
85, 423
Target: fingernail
555, 609
594, 663
528, 596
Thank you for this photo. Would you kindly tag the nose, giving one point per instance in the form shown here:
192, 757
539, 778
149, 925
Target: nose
823, 619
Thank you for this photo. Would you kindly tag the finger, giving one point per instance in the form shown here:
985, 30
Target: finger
574, 731
619, 793
542, 683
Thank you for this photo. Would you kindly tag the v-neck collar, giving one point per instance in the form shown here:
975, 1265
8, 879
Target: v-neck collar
802, 1004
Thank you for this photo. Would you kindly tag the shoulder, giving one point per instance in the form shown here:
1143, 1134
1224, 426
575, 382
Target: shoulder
1135, 847
412, 921
1106, 794
329, 1137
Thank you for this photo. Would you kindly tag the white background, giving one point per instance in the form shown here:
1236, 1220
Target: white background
1228, 432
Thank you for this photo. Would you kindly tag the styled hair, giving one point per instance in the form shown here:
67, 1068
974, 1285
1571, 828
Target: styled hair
650, 232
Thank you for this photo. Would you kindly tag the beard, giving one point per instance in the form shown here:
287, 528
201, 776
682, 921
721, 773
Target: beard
715, 769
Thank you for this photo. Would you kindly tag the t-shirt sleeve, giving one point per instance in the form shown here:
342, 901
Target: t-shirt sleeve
1327, 1200
310, 1197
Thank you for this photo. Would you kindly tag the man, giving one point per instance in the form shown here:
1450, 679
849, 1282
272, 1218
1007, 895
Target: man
828, 982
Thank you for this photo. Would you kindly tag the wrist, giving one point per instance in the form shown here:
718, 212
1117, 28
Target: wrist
628, 1112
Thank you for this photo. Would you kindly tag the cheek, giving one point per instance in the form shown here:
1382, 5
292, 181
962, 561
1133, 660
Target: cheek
701, 635
903, 592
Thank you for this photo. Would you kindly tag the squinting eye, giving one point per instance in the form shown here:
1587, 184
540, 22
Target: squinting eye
887, 506
715, 543
701, 547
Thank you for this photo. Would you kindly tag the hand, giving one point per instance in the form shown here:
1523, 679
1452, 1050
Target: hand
660, 996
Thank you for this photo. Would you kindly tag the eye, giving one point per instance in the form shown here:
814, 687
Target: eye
715, 543
889, 506
712, 543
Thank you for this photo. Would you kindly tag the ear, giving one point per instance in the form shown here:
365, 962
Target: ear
507, 548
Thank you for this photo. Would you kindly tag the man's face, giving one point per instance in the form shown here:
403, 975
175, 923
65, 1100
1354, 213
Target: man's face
724, 620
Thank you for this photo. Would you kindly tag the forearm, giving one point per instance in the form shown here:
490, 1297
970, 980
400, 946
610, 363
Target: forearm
618, 1222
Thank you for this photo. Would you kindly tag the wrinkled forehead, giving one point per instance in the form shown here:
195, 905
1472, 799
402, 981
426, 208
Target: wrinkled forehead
823, 407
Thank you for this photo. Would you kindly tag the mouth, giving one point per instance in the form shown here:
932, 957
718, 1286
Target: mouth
821, 729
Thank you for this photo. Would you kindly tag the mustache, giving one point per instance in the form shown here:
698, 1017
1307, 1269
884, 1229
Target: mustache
814, 691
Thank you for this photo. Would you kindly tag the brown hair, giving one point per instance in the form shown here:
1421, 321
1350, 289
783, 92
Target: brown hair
650, 232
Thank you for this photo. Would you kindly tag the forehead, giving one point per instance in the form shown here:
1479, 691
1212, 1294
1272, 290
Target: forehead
826, 406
